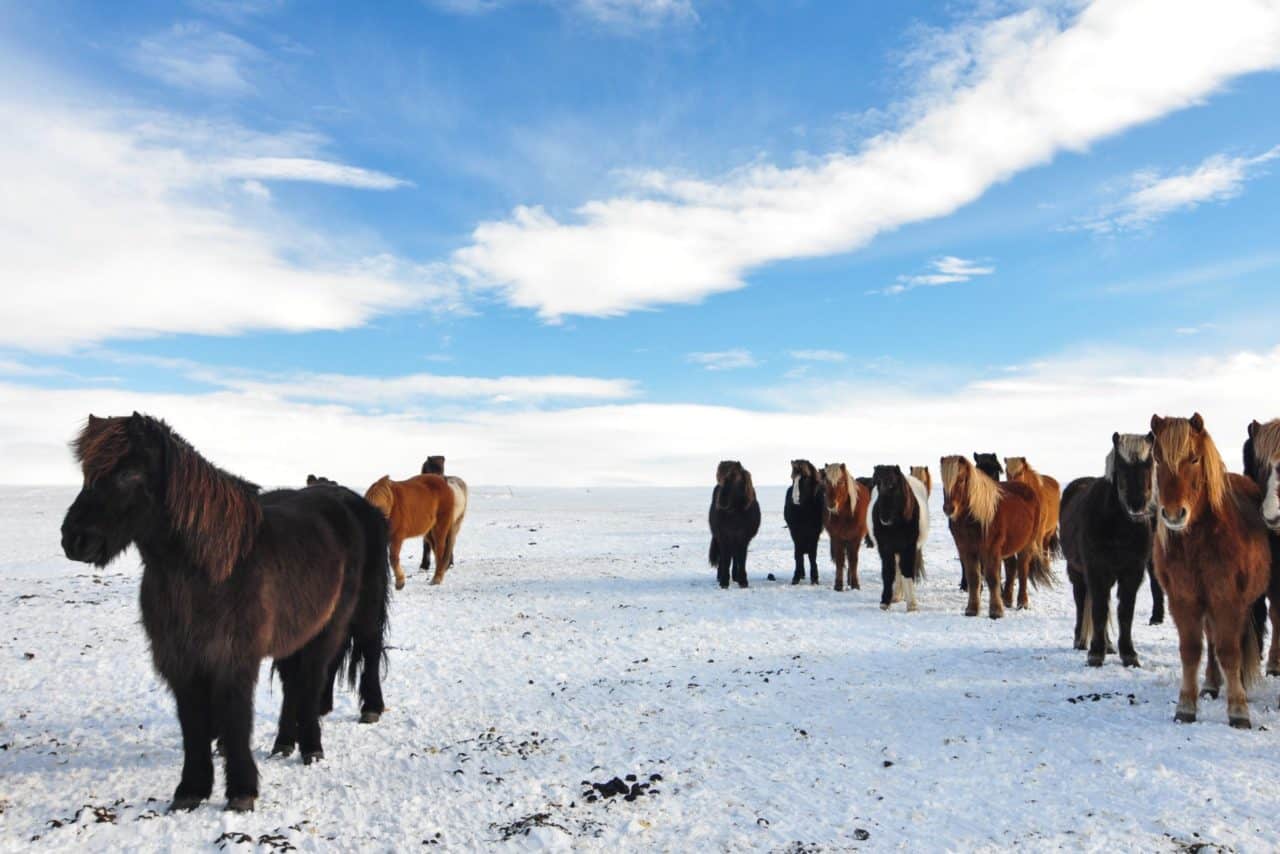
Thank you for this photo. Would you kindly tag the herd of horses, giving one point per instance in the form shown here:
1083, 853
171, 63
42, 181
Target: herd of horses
233, 575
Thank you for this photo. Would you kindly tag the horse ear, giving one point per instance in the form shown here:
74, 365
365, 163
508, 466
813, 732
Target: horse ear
1253, 428
1115, 440
1157, 423
1197, 423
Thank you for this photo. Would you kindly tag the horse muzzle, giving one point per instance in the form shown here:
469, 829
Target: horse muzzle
1176, 523
1272, 523
83, 546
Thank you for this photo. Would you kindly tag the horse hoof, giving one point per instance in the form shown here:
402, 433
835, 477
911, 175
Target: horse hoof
312, 757
724, 585
284, 749
884, 607
1273, 671
1081, 646
912, 607
1095, 660
855, 586
1130, 661
971, 612
1184, 717
242, 803
1211, 693
399, 583
185, 803
797, 579
1240, 723
370, 717
435, 581
1155, 621
839, 589
996, 615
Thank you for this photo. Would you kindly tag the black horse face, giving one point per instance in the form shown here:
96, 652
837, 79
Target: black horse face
988, 464
891, 486
112, 510
1133, 469
733, 490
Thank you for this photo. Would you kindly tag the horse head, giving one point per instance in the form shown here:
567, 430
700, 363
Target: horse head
894, 494
734, 488
433, 465
1190, 474
988, 464
956, 472
1271, 499
803, 475
1129, 468
836, 478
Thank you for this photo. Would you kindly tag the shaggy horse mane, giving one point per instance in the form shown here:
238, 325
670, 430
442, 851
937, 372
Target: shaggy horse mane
983, 493
1176, 439
908, 494
807, 469
1264, 441
1133, 447
216, 514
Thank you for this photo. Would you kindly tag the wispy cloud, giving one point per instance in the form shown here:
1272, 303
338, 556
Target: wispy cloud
193, 56
307, 169
1153, 196
724, 360
947, 270
1048, 82
627, 14
818, 355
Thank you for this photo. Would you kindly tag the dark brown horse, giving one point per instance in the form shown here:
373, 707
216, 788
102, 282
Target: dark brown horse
845, 519
1261, 455
994, 523
231, 577
1213, 561
435, 465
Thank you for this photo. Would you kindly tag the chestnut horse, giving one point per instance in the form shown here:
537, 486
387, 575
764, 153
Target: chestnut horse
1050, 493
845, 518
435, 465
921, 473
1213, 560
993, 522
419, 506
1261, 454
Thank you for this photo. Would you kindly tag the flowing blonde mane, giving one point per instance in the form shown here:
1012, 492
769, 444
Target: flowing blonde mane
983, 494
1176, 438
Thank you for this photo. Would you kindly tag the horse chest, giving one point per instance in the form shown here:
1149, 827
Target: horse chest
188, 620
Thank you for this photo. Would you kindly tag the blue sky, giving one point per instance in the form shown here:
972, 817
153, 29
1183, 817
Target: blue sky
611, 241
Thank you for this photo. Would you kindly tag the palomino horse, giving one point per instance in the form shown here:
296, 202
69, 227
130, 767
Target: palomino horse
1261, 454
1213, 560
899, 510
802, 510
232, 576
1050, 493
435, 465
421, 505
921, 473
993, 522
845, 518
734, 518
1106, 535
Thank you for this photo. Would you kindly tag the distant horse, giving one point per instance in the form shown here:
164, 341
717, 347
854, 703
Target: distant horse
435, 465
921, 473
994, 523
734, 519
845, 518
1050, 493
900, 521
802, 510
421, 505
1106, 535
988, 464
232, 576
1261, 454
1213, 560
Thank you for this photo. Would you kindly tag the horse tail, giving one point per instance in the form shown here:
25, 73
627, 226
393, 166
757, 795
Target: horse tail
1041, 574
1086, 623
1053, 547
919, 564
366, 650
1255, 628
714, 555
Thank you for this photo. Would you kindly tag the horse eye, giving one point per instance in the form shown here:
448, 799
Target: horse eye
1194, 460
128, 478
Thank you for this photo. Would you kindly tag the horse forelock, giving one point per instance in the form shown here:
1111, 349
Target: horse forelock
1178, 441
102, 443
837, 475
1266, 449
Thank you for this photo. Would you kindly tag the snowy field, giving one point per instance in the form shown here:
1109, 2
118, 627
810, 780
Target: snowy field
581, 637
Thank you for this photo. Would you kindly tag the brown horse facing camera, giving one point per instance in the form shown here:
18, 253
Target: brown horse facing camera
417, 507
845, 519
1213, 561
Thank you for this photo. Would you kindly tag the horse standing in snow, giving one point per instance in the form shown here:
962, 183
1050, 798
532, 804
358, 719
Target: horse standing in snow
435, 465
900, 524
1106, 535
988, 464
1213, 560
921, 473
232, 576
845, 518
1261, 455
994, 523
802, 511
421, 505
734, 519
1050, 495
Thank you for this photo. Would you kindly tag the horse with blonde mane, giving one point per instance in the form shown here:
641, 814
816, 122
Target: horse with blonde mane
435, 465
921, 473
1050, 493
992, 523
1213, 560
1261, 456
845, 519
419, 506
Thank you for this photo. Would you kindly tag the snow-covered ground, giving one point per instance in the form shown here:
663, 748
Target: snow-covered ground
581, 637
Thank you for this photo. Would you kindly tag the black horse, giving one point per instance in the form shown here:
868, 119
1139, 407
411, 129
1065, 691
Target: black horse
900, 521
1260, 450
734, 519
230, 577
1106, 537
803, 514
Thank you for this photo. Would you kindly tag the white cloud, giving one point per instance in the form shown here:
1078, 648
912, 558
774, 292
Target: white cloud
819, 355
193, 56
125, 225
308, 169
1026, 87
1060, 413
1216, 179
723, 360
947, 270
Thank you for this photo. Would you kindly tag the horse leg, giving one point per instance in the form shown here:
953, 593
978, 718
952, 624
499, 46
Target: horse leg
1212, 670
1024, 572
1100, 602
1273, 654
426, 553
196, 719
1010, 576
1190, 622
440, 545
1128, 596
287, 730
1227, 636
972, 568
1080, 592
798, 575
888, 573
233, 696
991, 567
812, 552
368, 646
396, 543
740, 565
313, 664
854, 584
722, 569
908, 565
1157, 596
